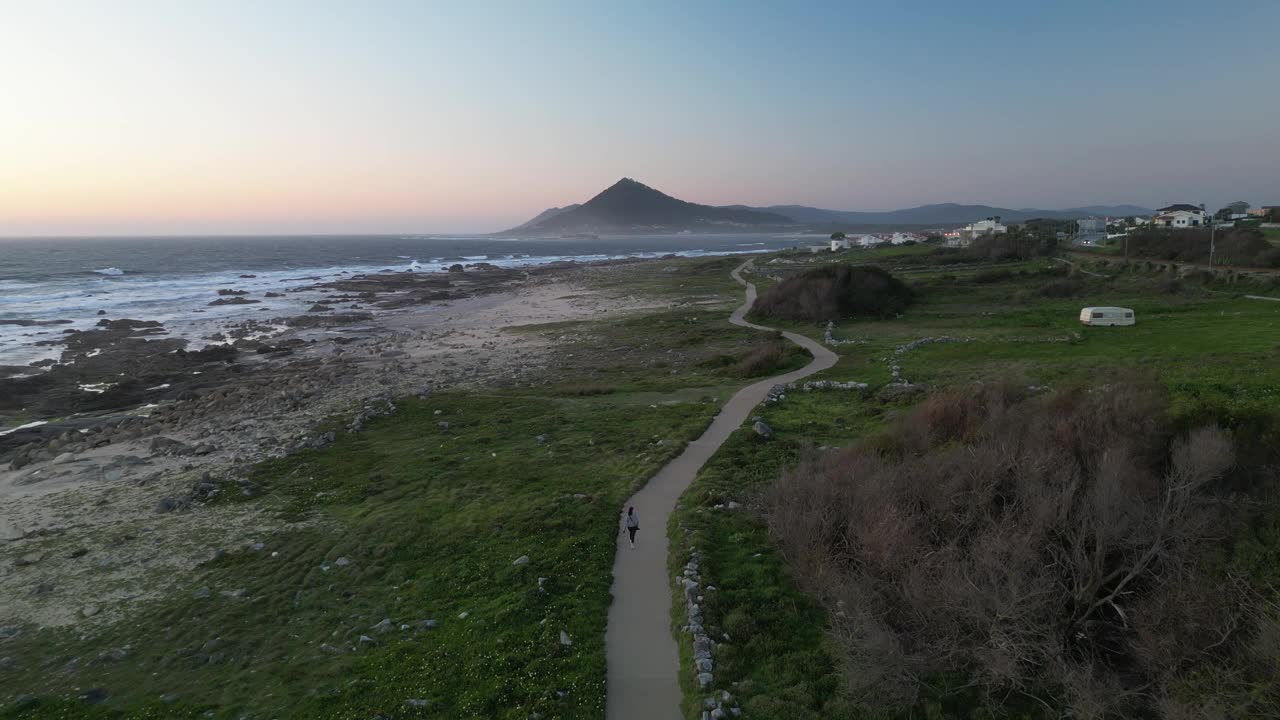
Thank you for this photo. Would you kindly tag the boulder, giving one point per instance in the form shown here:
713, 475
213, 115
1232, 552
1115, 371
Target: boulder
762, 430
30, 558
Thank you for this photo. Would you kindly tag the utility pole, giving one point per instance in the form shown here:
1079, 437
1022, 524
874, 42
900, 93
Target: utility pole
1213, 229
1213, 226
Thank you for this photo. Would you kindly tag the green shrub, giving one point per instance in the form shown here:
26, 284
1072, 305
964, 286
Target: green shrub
835, 291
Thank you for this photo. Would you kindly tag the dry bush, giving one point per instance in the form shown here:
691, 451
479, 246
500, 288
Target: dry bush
763, 359
1059, 541
832, 292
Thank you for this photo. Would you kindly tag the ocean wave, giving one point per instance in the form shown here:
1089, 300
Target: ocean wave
36, 423
110, 271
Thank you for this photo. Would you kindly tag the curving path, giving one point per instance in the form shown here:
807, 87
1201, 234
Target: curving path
642, 658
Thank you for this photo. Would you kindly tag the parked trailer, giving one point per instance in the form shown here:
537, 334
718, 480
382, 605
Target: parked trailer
1107, 316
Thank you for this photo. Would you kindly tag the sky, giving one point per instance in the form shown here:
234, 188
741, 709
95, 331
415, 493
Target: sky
202, 117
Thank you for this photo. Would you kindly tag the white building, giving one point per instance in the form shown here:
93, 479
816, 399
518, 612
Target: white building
964, 236
838, 244
1180, 216
990, 226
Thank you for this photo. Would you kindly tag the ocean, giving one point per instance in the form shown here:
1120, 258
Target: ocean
173, 279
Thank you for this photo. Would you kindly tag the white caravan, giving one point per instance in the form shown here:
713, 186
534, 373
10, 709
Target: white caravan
1106, 316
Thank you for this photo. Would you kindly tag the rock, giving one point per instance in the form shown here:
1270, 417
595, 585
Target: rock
30, 558
319, 308
541, 439
898, 392
201, 593
168, 446
417, 703
762, 429
463, 615
169, 699
64, 458
366, 640
327, 648
342, 562
522, 560
9, 631
705, 679
427, 624
704, 665
90, 610
9, 533
384, 626
565, 639
233, 301
170, 504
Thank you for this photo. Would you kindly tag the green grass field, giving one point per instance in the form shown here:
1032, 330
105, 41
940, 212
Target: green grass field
419, 518
429, 508
1216, 352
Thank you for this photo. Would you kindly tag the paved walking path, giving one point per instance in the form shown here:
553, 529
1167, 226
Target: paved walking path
642, 658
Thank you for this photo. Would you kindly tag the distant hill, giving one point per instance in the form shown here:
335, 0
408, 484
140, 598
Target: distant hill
548, 214
942, 214
630, 206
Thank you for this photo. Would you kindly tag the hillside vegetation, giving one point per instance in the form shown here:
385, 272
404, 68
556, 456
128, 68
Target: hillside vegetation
1001, 449
833, 292
1067, 542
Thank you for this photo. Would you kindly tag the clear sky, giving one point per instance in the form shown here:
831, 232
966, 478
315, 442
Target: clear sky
206, 116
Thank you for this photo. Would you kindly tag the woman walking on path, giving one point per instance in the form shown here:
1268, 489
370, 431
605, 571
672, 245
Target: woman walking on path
633, 524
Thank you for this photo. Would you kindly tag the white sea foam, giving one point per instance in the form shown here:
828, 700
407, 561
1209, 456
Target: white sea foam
110, 271
37, 423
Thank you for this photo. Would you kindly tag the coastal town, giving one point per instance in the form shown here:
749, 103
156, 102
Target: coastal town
1085, 231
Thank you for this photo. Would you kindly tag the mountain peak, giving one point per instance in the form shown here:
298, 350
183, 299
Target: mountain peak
631, 206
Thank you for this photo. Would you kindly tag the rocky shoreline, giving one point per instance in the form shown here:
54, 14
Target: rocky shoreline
139, 431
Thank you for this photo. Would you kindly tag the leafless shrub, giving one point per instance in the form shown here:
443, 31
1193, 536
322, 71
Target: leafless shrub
1052, 541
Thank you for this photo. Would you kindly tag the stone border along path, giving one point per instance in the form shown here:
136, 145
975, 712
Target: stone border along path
643, 664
